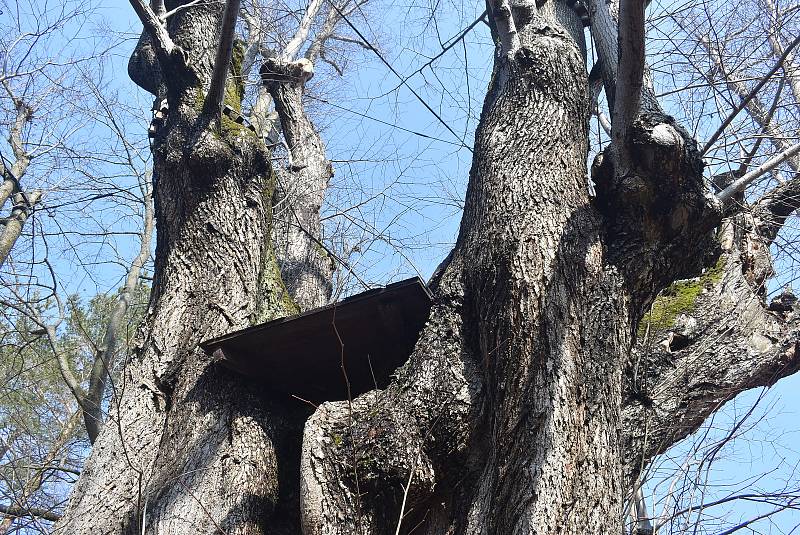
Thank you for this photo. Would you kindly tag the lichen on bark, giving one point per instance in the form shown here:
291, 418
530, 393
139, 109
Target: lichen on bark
679, 297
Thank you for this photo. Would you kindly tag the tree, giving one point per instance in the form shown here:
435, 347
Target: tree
43, 443
523, 408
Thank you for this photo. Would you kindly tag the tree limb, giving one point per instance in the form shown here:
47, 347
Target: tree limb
162, 43
772, 210
631, 69
222, 62
104, 356
23, 207
742, 182
729, 342
305, 267
765, 123
753, 106
293, 46
505, 25
22, 512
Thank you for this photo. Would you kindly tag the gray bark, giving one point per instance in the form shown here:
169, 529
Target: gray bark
23, 207
506, 418
516, 412
188, 446
702, 352
306, 267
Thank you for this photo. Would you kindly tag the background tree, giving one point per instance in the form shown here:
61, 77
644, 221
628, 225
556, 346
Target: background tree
44, 443
66, 141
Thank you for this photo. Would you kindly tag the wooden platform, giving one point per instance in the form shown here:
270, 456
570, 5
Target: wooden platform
372, 333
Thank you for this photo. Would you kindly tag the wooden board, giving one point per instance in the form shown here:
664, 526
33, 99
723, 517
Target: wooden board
371, 333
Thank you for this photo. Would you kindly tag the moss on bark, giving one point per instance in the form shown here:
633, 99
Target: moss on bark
679, 297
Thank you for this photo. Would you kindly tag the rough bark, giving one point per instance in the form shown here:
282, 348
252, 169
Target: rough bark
707, 340
190, 448
23, 207
305, 265
506, 418
516, 412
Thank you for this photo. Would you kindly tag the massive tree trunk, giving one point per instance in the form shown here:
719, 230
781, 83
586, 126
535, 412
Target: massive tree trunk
189, 447
506, 418
520, 410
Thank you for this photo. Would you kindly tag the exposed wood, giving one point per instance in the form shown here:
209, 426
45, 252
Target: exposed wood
306, 267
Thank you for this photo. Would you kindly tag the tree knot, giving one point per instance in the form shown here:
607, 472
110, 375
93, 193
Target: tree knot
275, 70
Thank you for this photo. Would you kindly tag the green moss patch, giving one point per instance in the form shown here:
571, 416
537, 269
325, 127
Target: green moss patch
679, 297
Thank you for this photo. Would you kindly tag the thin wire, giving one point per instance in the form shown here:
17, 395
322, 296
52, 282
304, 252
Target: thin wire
399, 76
381, 121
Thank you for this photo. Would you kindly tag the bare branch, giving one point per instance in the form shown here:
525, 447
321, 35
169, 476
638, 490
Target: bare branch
293, 46
772, 210
21, 512
789, 65
631, 68
162, 42
335, 15
605, 34
506, 27
765, 123
23, 207
216, 92
159, 9
753, 106
713, 139
742, 182
104, 356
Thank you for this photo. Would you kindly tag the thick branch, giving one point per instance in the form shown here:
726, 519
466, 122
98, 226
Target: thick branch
772, 210
724, 342
216, 91
67, 372
314, 50
631, 69
23, 116
162, 42
22, 512
506, 27
293, 46
306, 268
23, 207
603, 27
